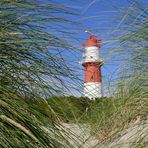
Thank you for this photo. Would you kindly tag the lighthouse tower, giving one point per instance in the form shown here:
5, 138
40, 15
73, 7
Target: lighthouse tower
92, 64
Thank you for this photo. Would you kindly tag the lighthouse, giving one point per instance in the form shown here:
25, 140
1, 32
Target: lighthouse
92, 65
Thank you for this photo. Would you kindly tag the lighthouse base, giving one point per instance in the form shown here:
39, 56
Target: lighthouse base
92, 90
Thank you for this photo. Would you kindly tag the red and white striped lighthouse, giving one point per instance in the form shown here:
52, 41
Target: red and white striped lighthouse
92, 64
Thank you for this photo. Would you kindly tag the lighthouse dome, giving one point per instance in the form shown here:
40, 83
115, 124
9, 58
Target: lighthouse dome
92, 41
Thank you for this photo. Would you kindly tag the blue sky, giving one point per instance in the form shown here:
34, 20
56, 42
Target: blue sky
103, 18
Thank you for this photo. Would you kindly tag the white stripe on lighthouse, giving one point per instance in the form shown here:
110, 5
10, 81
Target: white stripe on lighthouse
92, 90
91, 54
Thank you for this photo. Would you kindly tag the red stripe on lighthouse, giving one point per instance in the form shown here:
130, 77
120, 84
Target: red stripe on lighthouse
92, 72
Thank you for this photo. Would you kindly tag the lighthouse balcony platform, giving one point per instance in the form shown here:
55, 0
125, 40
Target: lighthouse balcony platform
100, 60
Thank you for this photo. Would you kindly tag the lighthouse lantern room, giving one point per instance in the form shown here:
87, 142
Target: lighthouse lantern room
92, 64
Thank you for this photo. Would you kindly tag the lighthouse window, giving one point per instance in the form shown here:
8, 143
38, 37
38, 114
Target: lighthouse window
92, 77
